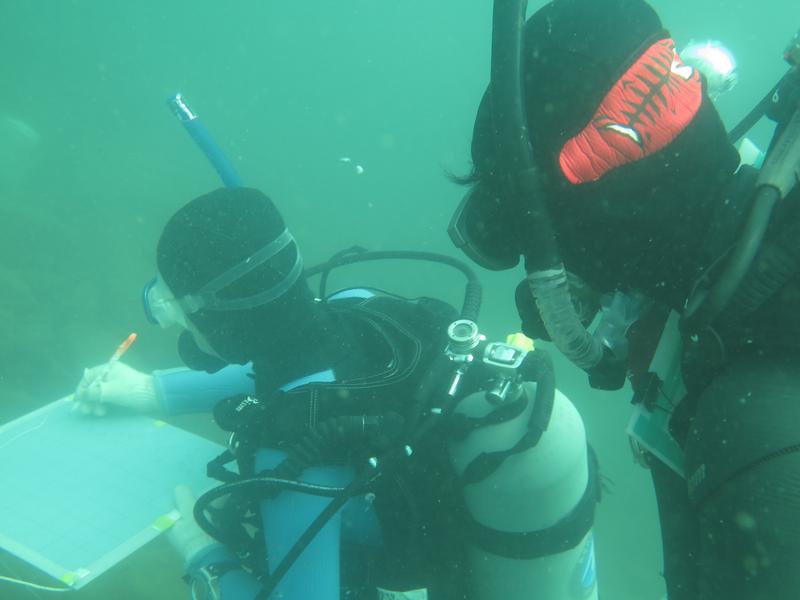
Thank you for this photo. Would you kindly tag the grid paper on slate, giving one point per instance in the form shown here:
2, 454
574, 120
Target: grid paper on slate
78, 494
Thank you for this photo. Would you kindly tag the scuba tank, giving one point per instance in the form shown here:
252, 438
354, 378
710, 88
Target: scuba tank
527, 496
528, 481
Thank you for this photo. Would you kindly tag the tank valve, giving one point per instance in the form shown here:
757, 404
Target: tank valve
504, 360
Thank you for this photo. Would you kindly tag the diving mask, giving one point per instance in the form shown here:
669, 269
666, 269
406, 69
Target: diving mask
163, 308
483, 229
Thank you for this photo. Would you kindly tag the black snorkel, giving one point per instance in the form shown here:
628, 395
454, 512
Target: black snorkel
521, 178
777, 178
523, 187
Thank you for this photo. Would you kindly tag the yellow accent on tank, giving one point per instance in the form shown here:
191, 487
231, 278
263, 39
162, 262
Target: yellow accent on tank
521, 341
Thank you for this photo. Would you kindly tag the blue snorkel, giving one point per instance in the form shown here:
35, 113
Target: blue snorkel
221, 163
195, 128
198, 132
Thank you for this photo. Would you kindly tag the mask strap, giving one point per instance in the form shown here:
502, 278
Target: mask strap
265, 297
205, 297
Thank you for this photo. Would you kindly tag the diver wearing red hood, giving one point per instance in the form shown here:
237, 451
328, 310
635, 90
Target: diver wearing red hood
645, 195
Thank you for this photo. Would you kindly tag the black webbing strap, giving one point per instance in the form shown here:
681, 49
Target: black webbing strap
563, 536
487, 463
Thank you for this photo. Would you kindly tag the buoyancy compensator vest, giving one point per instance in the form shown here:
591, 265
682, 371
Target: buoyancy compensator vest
352, 416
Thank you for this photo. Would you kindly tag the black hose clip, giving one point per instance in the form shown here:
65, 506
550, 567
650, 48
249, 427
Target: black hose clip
786, 97
792, 52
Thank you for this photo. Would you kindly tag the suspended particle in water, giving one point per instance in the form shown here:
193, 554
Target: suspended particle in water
359, 169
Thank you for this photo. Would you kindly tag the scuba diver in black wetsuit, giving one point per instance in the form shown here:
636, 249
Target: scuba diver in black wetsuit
444, 466
334, 380
625, 176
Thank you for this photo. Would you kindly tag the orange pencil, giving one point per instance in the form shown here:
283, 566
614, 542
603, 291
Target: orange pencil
121, 349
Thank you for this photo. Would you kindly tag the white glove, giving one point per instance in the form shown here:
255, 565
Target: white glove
185, 535
120, 386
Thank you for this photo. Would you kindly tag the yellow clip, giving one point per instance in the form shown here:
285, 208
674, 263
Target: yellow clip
72, 577
521, 341
166, 521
